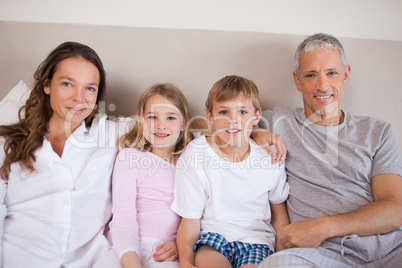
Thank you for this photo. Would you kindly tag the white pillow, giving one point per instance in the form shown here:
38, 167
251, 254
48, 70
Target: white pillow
10, 105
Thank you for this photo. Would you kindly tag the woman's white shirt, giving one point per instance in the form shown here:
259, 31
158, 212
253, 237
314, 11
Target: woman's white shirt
56, 215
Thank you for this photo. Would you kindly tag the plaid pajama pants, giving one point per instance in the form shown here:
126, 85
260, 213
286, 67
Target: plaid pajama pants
238, 253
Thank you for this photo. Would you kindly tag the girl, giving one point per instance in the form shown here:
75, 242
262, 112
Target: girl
143, 180
54, 188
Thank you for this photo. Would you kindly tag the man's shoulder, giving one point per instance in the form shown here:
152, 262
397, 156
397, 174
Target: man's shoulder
278, 111
365, 121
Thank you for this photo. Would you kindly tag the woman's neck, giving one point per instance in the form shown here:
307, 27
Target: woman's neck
58, 134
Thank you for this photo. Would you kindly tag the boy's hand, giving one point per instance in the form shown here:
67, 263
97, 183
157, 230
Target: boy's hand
166, 252
265, 139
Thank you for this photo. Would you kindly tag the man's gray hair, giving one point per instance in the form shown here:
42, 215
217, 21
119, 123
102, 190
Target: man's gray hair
319, 41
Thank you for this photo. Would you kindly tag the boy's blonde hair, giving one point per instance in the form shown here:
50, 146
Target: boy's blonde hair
229, 88
135, 137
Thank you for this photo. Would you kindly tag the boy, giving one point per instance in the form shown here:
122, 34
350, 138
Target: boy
225, 183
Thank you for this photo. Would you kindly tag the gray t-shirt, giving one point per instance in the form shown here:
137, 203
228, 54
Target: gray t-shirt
330, 168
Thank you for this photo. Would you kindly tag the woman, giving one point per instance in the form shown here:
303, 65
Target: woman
56, 166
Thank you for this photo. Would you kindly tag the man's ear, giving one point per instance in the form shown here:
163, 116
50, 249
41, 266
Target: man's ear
347, 75
297, 81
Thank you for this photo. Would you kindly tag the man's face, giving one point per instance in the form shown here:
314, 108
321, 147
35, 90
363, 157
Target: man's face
321, 80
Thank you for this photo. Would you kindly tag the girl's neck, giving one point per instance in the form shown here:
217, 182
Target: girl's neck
166, 154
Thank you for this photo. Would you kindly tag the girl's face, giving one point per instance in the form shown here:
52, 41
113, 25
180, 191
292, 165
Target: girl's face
163, 123
73, 91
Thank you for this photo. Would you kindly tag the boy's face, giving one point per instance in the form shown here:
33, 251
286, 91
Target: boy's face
233, 121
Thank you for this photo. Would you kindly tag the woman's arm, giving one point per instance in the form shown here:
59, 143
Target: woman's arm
187, 235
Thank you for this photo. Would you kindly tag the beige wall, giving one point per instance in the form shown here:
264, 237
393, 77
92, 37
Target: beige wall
135, 58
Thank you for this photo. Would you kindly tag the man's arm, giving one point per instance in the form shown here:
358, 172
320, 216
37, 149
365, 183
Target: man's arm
382, 215
265, 139
187, 234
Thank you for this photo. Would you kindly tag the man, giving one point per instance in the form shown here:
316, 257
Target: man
344, 171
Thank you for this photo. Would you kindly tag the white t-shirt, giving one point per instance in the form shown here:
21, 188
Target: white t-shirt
230, 198
56, 215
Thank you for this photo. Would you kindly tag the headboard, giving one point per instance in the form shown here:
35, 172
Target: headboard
136, 58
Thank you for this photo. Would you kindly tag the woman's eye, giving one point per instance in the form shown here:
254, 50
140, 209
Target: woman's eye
92, 89
65, 84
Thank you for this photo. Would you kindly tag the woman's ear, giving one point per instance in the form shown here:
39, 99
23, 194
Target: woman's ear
46, 86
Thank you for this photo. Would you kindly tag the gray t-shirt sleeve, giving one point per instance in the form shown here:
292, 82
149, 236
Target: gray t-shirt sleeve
387, 158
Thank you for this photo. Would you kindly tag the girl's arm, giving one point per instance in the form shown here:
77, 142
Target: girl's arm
124, 227
130, 260
187, 234
279, 220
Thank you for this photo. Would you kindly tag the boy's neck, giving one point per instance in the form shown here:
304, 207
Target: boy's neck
230, 153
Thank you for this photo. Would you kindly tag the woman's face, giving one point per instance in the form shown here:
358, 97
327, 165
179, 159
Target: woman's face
73, 92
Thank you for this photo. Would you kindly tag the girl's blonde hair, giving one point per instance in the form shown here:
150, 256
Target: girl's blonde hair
135, 137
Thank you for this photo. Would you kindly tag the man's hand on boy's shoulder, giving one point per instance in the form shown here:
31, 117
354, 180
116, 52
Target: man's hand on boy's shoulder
266, 139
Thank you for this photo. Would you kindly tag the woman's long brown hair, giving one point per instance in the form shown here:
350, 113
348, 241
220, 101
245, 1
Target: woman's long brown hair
22, 139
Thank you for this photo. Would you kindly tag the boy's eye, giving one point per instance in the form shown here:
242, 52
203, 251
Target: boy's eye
222, 112
152, 117
243, 112
171, 118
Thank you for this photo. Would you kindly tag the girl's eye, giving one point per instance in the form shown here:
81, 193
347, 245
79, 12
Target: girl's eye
152, 117
171, 118
243, 112
223, 112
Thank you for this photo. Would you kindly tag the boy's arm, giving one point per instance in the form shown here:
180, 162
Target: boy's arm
279, 220
265, 139
187, 234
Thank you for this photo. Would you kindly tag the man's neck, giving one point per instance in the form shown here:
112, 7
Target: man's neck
326, 120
